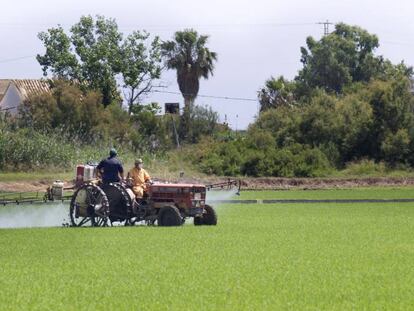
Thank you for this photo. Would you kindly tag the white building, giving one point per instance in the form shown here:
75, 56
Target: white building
13, 92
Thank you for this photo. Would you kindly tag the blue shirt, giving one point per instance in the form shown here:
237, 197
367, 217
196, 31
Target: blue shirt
111, 168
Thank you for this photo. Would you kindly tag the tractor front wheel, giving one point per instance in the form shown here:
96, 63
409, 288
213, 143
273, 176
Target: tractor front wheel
209, 218
169, 216
198, 221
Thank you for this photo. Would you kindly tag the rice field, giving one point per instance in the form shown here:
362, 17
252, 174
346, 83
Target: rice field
259, 257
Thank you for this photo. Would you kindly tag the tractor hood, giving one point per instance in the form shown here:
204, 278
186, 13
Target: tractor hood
178, 185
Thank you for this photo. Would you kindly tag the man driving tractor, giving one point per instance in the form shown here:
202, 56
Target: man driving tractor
110, 169
140, 178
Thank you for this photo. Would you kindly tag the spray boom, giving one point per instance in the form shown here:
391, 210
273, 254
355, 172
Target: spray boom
227, 185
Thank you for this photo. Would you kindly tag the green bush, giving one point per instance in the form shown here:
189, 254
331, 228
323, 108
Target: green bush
396, 147
213, 164
311, 163
234, 158
220, 159
252, 164
28, 149
365, 167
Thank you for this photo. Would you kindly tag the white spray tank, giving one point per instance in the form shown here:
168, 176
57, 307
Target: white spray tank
85, 173
89, 172
57, 190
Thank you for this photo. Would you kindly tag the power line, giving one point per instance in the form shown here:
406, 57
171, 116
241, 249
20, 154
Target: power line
209, 96
9, 60
121, 25
8, 108
397, 43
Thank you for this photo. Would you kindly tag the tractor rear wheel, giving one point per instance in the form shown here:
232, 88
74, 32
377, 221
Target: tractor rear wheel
209, 218
89, 207
169, 216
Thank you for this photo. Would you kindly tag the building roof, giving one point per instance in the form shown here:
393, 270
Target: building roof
26, 87
4, 84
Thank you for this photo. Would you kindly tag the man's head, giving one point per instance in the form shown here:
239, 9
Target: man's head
139, 163
113, 152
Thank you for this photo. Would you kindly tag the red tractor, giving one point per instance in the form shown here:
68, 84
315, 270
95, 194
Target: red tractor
96, 204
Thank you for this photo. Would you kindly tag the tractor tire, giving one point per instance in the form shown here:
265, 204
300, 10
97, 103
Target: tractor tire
169, 216
198, 221
210, 217
89, 206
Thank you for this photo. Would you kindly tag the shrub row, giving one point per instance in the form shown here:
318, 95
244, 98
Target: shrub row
235, 158
25, 149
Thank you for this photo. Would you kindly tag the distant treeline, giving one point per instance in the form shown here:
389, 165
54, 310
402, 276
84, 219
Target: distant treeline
346, 104
68, 126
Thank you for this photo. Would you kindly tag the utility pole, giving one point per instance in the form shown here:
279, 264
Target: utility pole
325, 27
177, 140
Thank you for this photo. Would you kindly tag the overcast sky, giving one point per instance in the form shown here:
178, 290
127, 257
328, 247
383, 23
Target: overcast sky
254, 39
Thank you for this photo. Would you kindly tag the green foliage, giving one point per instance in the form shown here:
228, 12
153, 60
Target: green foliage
58, 58
69, 126
365, 167
202, 122
114, 126
369, 119
25, 149
282, 123
221, 159
396, 147
189, 56
338, 59
295, 161
80, 116
95, 52
90, 55
276, 92
67, 108
141, 65
237, 157
151, 132
344, 106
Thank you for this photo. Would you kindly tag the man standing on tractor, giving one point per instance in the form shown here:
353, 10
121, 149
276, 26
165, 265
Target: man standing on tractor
139, 178
111, 169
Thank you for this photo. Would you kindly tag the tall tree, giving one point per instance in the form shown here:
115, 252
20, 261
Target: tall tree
190, 57
340, 58
97, 44
141, 66
59, 57
94, 54
90, 55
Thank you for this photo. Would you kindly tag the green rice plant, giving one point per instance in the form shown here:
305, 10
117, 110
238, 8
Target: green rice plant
259, 257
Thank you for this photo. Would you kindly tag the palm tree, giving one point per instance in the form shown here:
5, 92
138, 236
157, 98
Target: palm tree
188, 54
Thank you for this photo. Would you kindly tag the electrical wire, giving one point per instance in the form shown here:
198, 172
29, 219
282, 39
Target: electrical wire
9, 60
208, 96
8, 108
120, 25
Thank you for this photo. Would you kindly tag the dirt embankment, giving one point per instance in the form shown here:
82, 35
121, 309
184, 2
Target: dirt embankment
251, 183
23, 186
